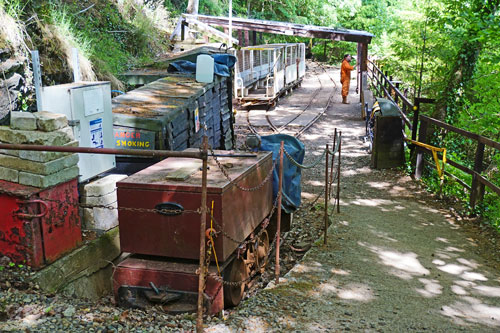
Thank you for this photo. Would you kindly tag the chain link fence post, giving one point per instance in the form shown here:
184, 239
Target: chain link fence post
278, 219
203, 222
327, 185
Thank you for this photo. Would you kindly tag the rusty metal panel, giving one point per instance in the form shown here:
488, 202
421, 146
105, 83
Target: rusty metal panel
236, 212
38, 226
61, 226
180, 276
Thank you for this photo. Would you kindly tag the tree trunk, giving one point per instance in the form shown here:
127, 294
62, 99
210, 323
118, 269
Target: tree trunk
459, 78
192, 7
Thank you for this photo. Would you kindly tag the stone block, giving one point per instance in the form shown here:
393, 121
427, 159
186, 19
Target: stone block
9, 175
39, 168
84, 272
49, 122
100, 218
101, 200
101, 186
41, 181
58, 137
22, 121
44, 156
9, 152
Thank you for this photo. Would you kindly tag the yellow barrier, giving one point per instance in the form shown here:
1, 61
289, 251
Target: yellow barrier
434, 151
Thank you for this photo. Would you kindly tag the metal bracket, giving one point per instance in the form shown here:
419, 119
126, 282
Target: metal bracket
75, 122
33, 216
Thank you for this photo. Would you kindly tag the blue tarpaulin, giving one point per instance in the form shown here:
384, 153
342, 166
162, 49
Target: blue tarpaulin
222, 64
291, 173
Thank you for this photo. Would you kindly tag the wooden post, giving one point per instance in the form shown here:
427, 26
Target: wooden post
477, 188
278, 219
416, 112
338, 172
240, 38
386, 83
247, 38
326, 195
404, 105
419, 165
183, 31
254, 37
381, 81
389, 86
364, 66
397, 96
203, 221
358, 71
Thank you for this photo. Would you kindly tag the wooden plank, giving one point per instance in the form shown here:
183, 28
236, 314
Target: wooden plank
480, 178
422, 137
477, 191
210, 30
458, 180
449, 127
487, 183
391, 85
289, 29
489, 142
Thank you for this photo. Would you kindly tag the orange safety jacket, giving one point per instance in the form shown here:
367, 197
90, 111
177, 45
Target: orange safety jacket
345, 71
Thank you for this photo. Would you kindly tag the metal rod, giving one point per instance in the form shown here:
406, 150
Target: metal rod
333, 161
111, 151
203, 222
278, 219
233, 155
338, 172
326, 194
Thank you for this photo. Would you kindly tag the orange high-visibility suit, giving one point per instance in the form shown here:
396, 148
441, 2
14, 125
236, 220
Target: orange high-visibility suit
345, 77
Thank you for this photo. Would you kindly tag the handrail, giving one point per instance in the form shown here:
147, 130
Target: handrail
387, 93
391, 85
383, 85
478, 180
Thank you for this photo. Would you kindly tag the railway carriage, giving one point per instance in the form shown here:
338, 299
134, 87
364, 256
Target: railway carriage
264, 72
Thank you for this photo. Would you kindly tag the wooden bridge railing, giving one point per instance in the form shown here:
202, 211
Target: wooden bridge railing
479, 182
384, 86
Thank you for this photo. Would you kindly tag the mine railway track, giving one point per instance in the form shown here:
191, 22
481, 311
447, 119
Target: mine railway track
313, 97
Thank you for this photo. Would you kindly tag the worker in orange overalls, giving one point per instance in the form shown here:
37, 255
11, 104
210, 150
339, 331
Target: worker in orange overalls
345, 77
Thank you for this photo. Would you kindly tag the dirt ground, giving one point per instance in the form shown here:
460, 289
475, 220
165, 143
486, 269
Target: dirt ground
397, 260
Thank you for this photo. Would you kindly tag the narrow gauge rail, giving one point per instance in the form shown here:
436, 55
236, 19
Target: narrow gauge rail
314, 95
265, 72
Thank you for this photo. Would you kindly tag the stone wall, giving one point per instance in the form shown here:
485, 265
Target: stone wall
12, 83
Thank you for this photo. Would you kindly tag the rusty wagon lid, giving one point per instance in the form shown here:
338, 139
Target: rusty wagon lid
184, 174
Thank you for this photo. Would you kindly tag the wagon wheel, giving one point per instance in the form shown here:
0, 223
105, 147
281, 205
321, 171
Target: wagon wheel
236, 272
262, 250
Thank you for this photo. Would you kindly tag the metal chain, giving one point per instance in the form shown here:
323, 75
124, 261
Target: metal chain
145, 210
337, 145
301, 166
246, 189
250, 240
315, 163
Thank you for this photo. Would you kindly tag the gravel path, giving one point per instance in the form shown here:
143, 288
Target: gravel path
396, 261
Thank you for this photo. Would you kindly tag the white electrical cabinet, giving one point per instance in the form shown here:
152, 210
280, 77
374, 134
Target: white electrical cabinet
87, 106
